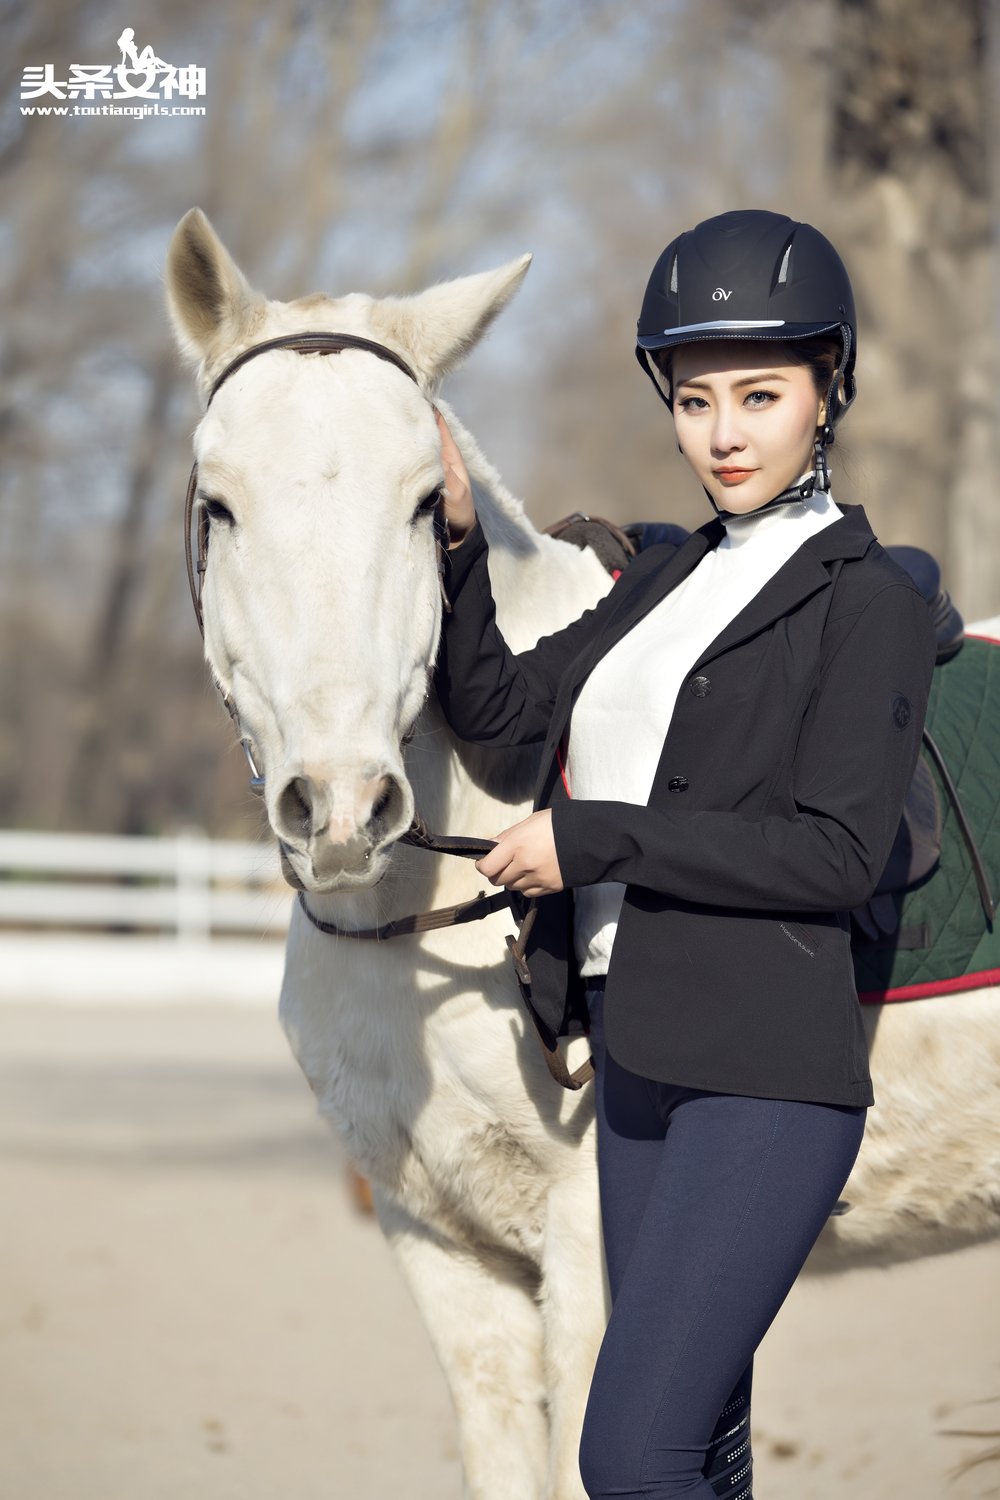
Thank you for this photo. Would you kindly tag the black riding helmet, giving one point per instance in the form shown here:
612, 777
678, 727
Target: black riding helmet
752, 274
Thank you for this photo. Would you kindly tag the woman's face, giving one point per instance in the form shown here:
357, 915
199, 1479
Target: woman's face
745, 421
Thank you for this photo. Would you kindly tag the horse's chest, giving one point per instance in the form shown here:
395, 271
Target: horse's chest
458, 1164
481, 1181
455, 1155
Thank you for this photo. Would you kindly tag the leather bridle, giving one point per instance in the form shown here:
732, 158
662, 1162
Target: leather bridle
196, 538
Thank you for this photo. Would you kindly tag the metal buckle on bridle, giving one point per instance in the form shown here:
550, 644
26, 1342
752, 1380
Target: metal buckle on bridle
256, 779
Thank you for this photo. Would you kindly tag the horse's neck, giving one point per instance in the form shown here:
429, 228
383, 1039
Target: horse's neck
538, 583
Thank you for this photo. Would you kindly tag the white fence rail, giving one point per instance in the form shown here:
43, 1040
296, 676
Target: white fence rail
104, 919
190, 885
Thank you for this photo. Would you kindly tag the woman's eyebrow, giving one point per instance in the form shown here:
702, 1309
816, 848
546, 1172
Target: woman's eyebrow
701, 385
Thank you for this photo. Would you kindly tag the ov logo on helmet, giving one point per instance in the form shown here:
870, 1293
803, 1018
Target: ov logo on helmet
720, 296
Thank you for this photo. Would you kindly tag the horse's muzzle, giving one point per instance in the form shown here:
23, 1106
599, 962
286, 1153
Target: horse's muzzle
333, 829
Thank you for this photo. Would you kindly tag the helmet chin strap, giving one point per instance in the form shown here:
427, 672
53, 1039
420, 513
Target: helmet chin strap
816, 481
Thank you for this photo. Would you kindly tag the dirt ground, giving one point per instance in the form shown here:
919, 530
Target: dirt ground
190, 1307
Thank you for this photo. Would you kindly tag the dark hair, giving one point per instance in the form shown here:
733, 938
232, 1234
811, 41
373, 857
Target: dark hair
821, 355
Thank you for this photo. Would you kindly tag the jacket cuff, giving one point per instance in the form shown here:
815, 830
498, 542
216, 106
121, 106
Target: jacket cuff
581, 830
459, 560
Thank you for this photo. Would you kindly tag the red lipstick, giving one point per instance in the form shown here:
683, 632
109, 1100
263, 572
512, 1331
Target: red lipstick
733, 476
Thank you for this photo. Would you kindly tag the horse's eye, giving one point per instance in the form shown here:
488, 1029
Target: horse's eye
428, 504
216, 510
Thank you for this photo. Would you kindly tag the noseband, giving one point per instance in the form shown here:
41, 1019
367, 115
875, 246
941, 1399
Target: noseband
196, 536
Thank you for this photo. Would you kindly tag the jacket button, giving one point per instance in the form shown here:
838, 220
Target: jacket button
677, 784
700, 686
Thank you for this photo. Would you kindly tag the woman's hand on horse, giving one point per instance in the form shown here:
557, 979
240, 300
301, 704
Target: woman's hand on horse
525, 857
456, 497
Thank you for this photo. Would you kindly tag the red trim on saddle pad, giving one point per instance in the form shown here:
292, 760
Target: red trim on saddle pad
932, 987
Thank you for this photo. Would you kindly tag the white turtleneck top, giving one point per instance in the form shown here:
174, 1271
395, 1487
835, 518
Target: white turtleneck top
622, 713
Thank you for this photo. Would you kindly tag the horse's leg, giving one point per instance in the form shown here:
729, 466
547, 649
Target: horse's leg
487, 1332
574, 1310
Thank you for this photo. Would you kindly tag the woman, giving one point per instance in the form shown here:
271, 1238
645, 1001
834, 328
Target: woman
746, 713
142, 62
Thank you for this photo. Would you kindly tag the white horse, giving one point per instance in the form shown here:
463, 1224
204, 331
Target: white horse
322, 616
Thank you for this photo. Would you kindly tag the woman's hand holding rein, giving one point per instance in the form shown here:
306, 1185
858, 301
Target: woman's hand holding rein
456, 497
524, 858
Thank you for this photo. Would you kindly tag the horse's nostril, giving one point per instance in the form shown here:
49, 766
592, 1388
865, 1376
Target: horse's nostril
384, 796
311, 806
386, 804
294, 812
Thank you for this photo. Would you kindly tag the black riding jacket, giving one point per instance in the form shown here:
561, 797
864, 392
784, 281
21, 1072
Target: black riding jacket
777, 795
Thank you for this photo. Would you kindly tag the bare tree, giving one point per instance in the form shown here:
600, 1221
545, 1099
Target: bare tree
911, 161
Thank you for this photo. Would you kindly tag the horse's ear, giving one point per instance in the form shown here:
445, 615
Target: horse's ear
211, 304
437, 328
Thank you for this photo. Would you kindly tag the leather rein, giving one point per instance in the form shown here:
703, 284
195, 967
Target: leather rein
196, 539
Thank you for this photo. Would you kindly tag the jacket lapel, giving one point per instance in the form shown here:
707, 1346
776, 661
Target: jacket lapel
803, 574
798, 578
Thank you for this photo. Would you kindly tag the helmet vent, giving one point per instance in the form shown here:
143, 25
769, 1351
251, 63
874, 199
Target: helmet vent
783, 272
673, 275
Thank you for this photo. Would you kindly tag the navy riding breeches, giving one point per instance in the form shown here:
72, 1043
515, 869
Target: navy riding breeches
710, 1204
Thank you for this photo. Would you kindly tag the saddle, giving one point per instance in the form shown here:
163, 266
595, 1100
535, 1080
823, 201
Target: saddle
917, 846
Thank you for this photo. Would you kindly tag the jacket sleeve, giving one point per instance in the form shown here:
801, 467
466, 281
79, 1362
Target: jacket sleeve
856, 753
488, 694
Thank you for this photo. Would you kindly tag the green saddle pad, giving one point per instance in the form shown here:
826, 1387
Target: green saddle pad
963, 717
